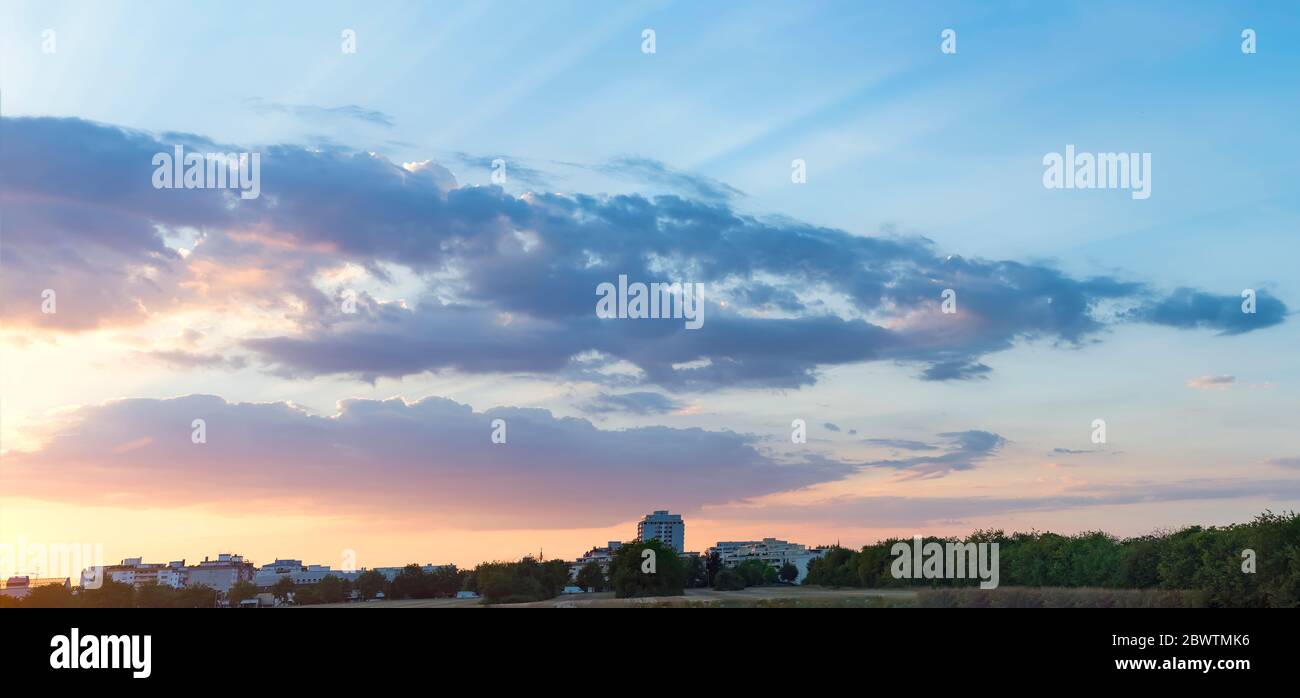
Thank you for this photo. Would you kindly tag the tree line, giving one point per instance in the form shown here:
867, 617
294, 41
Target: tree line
1255, 564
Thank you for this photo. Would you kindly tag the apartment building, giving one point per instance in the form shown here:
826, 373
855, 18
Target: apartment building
770, 551
664, 527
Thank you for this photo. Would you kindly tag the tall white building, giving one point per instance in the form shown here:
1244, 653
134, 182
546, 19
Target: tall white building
664, 527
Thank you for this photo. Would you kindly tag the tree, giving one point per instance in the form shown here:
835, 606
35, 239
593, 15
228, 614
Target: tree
728, 579
411, 583
789, 573
591, 577
155, 596
555, 576
283, 589
241, 591
712, 567
197, 596
753, 571
516, 582
306, 595
632, 574
446, 581
837, 568
696, 576
331, 589
370, 583
49, 596
110, 594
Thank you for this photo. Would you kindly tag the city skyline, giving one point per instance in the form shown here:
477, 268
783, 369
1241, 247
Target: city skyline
384, 334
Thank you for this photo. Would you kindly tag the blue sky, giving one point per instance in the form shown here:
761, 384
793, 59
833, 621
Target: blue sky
901, 142
858, 90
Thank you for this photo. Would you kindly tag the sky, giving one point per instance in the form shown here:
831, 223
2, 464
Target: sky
442, 188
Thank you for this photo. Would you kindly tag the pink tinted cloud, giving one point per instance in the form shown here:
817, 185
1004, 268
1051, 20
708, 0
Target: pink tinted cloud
1209, 382
434, 459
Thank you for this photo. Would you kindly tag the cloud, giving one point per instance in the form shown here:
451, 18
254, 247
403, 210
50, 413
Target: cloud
189, 359
433, 458
966, 450
509, 281
1211, 382
311, 112
1188, 308
830, 427
905, 512
515, 168
654, 171
903, 444
640, 403
1293, 462
1072, 451
955, 370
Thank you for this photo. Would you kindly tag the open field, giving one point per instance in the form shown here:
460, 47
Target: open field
778, 596
822, 597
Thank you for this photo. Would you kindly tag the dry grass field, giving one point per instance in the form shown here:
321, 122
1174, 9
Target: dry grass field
770, 597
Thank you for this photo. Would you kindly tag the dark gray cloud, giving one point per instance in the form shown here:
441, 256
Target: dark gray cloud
831, 427
640, 403
959, 369
1189, 308
511, 279
966, 449
903, 444
1293, 462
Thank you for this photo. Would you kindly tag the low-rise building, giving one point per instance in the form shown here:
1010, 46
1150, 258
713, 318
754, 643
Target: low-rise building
20, 587
770, 551
602, 556
267, 575
391, 572
135, 572
221, 573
